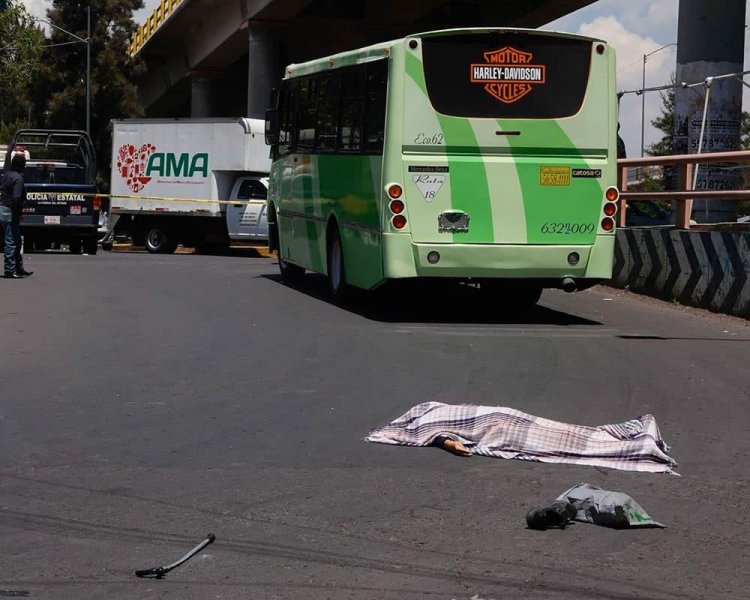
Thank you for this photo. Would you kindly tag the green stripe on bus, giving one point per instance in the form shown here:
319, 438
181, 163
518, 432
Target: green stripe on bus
308, 166
556, 214
468, 179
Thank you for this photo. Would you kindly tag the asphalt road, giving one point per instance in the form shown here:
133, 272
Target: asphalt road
146, 401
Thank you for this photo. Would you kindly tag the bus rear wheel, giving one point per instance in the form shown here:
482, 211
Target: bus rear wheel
336, 274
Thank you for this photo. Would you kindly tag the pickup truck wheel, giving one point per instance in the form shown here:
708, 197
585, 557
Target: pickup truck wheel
158, 242
75, 247
90, 246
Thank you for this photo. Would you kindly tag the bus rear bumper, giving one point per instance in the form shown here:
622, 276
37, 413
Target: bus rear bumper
403, 258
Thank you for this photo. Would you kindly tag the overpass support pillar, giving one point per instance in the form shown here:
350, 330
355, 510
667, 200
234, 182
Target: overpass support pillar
264, 69
203, 94
710, 42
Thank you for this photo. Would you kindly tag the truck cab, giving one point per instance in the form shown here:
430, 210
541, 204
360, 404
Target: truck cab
246, 218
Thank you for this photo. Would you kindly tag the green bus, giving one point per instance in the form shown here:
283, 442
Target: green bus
485, 156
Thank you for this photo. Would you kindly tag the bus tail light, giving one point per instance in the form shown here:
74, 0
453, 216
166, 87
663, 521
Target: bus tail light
399, 222
97, 202
395, 191
608, 224
612, 194
397, 207
610, 209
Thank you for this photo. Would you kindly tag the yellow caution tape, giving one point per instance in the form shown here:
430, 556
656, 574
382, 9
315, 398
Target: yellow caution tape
154, 198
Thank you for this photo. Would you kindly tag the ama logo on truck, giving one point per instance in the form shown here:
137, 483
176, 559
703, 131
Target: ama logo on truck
137, 166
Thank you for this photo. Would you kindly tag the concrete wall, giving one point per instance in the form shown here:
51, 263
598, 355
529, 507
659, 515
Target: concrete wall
707, 269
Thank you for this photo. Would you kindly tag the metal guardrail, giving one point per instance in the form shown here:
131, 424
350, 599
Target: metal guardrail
151, 24
685, 163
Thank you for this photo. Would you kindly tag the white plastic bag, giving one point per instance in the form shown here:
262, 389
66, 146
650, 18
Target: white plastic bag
609, 509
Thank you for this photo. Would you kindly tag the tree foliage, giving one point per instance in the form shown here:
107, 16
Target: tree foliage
745, 131
20, 47
665, 123
59, 89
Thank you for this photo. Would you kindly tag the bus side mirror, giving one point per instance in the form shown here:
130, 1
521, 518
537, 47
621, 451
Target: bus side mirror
272, 127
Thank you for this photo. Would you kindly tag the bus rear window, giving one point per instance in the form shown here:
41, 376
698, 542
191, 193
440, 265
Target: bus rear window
506, 75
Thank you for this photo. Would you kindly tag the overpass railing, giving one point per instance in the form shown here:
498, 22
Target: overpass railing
152, 23
686, 165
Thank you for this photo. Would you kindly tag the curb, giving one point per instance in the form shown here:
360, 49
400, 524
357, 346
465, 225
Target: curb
261, 251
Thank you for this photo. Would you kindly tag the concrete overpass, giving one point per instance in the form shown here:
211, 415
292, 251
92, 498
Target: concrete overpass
222, 57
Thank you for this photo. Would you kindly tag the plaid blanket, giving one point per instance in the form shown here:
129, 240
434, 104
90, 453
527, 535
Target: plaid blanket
500, 432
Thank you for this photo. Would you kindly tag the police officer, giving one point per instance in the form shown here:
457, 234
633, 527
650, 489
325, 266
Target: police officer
12, 199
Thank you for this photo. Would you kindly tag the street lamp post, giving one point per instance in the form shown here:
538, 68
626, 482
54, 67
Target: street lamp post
88, 70
643, 95
86, 41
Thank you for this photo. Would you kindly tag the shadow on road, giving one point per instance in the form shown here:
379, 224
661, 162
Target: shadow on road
428, 301
659, 338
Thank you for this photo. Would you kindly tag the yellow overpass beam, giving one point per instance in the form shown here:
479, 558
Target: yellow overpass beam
160, 14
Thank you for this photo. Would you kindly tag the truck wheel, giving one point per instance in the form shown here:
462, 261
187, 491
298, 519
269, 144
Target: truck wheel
90, 246
336, 274
75, 247
158, 242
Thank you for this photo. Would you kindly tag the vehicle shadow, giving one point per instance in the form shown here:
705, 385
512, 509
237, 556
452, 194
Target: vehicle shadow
659, 338
429, 301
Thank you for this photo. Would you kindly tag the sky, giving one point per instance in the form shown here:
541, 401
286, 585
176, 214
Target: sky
632, 27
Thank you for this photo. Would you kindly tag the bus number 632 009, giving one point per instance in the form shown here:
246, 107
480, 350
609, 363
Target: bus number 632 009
568, 228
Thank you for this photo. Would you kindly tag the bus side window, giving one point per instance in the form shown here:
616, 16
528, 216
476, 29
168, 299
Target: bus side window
328, 114
307, 114
376, 90
287, 110
352, 109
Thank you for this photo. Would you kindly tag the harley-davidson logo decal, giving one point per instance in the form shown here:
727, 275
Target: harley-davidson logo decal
507, 74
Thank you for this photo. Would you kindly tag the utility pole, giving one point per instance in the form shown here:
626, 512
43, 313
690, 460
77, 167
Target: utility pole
643, 95
88, 70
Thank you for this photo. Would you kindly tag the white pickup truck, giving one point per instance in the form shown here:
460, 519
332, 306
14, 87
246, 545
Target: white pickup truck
195, 182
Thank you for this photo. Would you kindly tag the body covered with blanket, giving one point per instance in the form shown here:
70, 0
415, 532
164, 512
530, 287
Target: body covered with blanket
501, 432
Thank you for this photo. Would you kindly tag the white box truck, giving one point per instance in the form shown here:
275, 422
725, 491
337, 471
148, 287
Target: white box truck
195, 182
